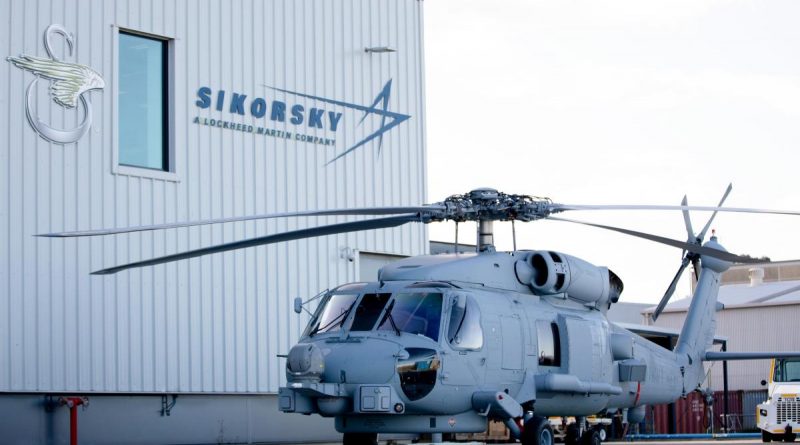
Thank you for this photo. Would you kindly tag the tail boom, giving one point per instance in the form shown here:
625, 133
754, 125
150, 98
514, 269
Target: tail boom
698, 330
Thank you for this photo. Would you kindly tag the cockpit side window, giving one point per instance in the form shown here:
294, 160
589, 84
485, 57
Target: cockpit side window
464, 330
415, 313
368, 310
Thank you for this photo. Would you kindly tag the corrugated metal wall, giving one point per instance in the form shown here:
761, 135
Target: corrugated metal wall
750, 402
767, 328
212, 324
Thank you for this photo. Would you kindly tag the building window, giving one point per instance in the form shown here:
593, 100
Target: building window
549, 343
143, 105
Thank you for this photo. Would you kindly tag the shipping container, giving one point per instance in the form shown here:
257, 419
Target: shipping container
734, 414
690, 416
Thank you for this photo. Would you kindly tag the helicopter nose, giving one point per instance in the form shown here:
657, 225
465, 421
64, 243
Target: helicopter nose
305, 363
368, 361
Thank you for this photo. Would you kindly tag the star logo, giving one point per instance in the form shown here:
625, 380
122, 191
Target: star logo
379, 107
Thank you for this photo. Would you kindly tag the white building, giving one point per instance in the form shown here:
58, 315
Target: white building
175, 111
760, 302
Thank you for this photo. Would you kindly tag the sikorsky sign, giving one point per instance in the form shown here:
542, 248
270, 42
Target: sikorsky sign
305, 123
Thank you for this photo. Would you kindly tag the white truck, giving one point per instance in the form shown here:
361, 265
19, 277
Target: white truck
779, 416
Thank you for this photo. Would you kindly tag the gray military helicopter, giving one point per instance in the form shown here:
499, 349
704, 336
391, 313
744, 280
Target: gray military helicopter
443, 343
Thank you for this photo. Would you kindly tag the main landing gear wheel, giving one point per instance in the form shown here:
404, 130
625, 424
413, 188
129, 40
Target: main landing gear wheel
602, 432
537, 432
591, 437
573, 434
360, 439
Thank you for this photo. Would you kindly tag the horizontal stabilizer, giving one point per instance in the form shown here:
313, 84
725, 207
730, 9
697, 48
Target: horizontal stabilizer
714, 356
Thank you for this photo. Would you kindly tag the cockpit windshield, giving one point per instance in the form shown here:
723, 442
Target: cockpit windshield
787, 370
415, 313
412, 312
368, 311
332, 314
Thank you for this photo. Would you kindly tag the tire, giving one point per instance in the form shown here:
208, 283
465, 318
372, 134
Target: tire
766, 436
360, 439
602, 433
537, 432
572, 437
591, 438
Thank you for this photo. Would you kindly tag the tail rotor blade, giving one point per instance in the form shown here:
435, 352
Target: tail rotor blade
702, 234
670, 290
378, 223
686, 220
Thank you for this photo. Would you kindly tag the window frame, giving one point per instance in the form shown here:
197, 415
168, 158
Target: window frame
170, 156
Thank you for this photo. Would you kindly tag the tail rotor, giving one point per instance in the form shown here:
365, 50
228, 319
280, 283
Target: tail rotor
689, 257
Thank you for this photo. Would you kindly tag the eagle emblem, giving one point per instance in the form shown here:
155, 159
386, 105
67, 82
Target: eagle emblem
68, 82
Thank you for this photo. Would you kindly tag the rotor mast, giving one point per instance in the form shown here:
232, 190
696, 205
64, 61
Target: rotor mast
485, 240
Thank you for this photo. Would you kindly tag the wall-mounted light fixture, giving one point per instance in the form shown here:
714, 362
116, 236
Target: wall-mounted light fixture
380, 49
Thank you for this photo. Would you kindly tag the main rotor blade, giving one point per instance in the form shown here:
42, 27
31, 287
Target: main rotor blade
702, 233
354, 226
686, 220
561, 207
354, 211
776, 294
670, 290
721, 254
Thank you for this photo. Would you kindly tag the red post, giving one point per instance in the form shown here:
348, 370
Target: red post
73, 403
73, 425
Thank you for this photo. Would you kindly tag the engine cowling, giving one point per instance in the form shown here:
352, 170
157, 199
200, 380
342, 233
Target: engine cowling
555, 273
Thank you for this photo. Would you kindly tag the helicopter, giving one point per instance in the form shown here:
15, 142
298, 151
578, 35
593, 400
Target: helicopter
441, 344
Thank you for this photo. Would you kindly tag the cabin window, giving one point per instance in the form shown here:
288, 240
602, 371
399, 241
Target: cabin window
143, 105
549, 343
464, 330
368, 310
415, 313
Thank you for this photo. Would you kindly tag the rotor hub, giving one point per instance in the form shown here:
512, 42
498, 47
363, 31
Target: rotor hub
486, 205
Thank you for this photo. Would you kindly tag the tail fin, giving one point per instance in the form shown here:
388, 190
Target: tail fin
698, 330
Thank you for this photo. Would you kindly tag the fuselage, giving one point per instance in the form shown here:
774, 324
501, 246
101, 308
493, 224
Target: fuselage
418, 347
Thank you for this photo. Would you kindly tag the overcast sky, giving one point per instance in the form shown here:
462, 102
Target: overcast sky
625, 102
